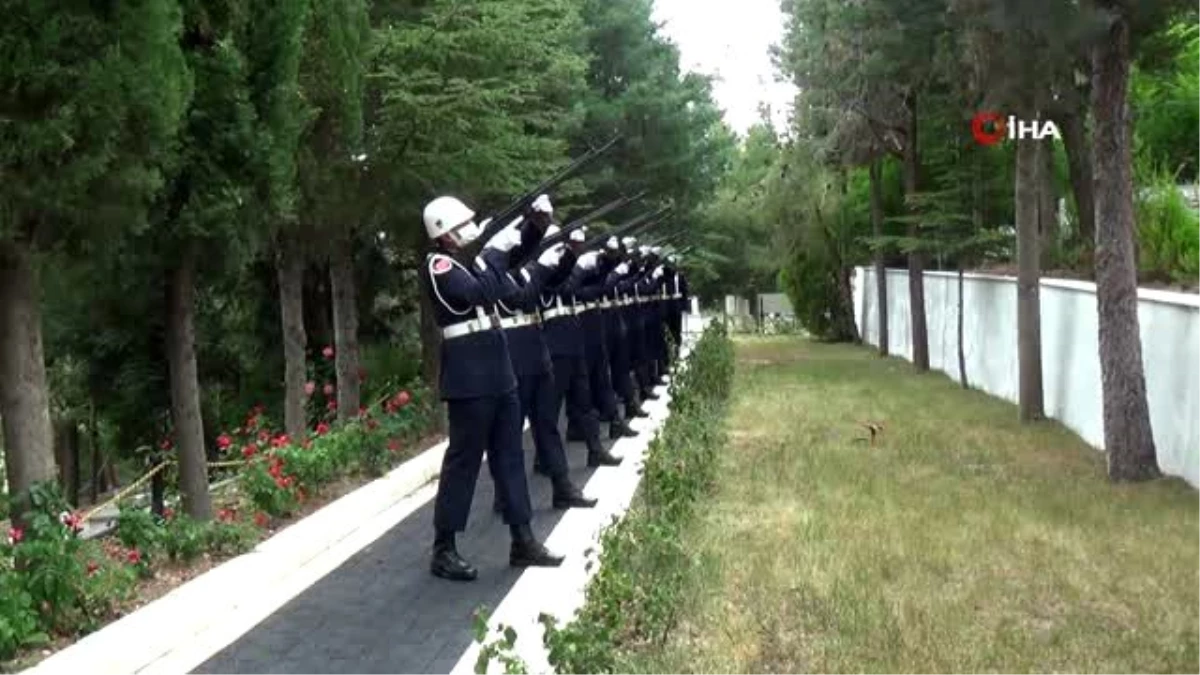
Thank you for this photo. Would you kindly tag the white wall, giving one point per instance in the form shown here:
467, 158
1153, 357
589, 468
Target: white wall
1170, 328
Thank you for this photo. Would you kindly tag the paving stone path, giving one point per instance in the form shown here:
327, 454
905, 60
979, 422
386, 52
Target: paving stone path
382, 611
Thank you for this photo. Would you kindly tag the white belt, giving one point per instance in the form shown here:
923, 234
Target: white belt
582, 308
605, 304
518, 321
677, 296
556, 312
469, 327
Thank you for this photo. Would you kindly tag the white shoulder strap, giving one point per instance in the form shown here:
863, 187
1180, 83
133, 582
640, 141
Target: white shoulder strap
438, 265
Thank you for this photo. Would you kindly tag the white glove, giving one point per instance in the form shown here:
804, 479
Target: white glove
613, 244
542, 203
507, 239
623, 268
657, 272
588, 260
551, 256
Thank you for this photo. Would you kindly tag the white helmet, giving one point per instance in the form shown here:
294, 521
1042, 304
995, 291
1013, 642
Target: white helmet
542, 203
578, 236
552, 229
673, 259
448, 215
644, 250
629, 242
656, 250
612, 244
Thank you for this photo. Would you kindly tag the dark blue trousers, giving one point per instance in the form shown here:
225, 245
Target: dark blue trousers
604, 401
539, 404
492, 423
618, 361
571, 385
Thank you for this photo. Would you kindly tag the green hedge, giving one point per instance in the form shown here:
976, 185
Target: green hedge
634, 598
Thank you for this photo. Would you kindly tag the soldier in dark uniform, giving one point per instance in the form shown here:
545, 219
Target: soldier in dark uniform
564, 338
531, 360
593, 298
635, 321
677, 288
618, 334
479, 387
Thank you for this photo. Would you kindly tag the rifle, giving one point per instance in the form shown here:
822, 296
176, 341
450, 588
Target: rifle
643, 221
505, 217
567, 229
668, 238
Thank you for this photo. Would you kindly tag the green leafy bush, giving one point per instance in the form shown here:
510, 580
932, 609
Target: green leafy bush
1168, 230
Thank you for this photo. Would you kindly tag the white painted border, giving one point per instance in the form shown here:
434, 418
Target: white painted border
560, 592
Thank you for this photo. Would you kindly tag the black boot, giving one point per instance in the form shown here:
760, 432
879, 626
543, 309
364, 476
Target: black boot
601, 457
633, 410
567, 496
527, 551
446, 562
649, 395
619, 429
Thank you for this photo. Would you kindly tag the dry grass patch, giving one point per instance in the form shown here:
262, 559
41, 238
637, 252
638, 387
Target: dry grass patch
961, 541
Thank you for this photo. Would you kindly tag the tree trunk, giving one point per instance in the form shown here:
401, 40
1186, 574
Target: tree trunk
916, 260
431, 345
1047, 200
1079, 162
66, 455
97, 464
345, 328
24, 398
1029, 338
185, 388
1128, 437
962, 351
881, 284
290, 268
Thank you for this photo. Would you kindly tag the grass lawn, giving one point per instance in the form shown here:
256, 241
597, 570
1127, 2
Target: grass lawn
960, 542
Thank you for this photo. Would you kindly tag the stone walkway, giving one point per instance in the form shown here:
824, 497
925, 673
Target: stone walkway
382, 611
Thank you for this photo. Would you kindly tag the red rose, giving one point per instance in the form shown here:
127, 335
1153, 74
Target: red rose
327, 352
322, 428
165, 444
224, 441
372, 424
328, 389
332, 406
260, 519
134, 556
264, 435
15, 535
92, 566
394, 445
168, 513
309, 388
402, 399
249, 451
280, 441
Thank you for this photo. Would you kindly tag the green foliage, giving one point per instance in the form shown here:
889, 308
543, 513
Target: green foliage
476, 98
137, 528
1168, 230
280, 472
53, 583
499, 649
1163, 99
93, 95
